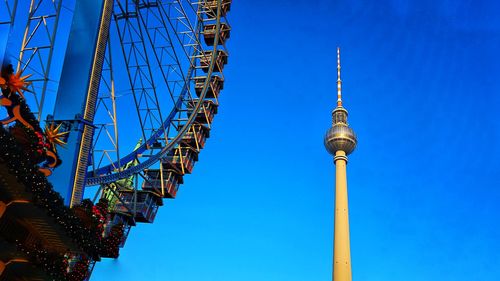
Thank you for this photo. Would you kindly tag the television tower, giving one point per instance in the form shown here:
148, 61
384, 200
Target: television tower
340, 141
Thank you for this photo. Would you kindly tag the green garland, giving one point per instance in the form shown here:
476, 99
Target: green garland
21, 149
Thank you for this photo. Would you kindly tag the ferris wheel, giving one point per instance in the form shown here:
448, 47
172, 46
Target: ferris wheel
157, 73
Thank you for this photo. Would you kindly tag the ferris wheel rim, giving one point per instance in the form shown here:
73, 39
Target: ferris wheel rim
108, 173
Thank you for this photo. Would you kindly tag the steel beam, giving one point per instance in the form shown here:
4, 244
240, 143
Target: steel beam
77, 94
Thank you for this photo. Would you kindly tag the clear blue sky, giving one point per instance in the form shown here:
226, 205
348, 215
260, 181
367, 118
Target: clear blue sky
421, 83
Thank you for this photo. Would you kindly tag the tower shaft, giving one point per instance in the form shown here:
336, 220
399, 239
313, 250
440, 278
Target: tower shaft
340, 141
342, 248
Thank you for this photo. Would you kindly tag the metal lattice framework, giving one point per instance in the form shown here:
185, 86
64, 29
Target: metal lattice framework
37, 49
179, 84
10, 6
159, 88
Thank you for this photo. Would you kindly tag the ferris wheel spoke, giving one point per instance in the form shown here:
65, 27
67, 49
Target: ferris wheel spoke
170, 63
208, 17
168, 60
138, 69
186, 110
163, 49
185, 33
188, 47
189, 42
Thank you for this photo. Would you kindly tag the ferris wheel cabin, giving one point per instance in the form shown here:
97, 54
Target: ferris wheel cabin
196, 136
210, 30
143, 207
181, 159
210, 7
220, 60
206, 113
165, 182
214, 87
83, 109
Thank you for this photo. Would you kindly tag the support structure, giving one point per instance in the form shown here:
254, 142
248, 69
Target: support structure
77, 94
40, 237
6, 23
340, 141
37, 48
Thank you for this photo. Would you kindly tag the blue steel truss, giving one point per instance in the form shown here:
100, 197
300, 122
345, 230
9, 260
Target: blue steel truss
109, 173
167, 34
173, 56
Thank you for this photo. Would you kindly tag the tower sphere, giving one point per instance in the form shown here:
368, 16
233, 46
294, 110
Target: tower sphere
340, 137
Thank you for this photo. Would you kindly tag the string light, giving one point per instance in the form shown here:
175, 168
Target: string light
23, 149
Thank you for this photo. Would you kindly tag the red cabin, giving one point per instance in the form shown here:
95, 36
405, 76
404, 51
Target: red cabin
146, 204
220, 60
214, 87
209, 32
210, 7
206, 113
171, 181
181, 159
196, 136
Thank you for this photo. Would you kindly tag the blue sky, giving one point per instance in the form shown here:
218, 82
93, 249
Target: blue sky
421, 86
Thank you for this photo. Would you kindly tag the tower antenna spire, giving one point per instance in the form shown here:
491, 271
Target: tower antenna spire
339, 81
340, 141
